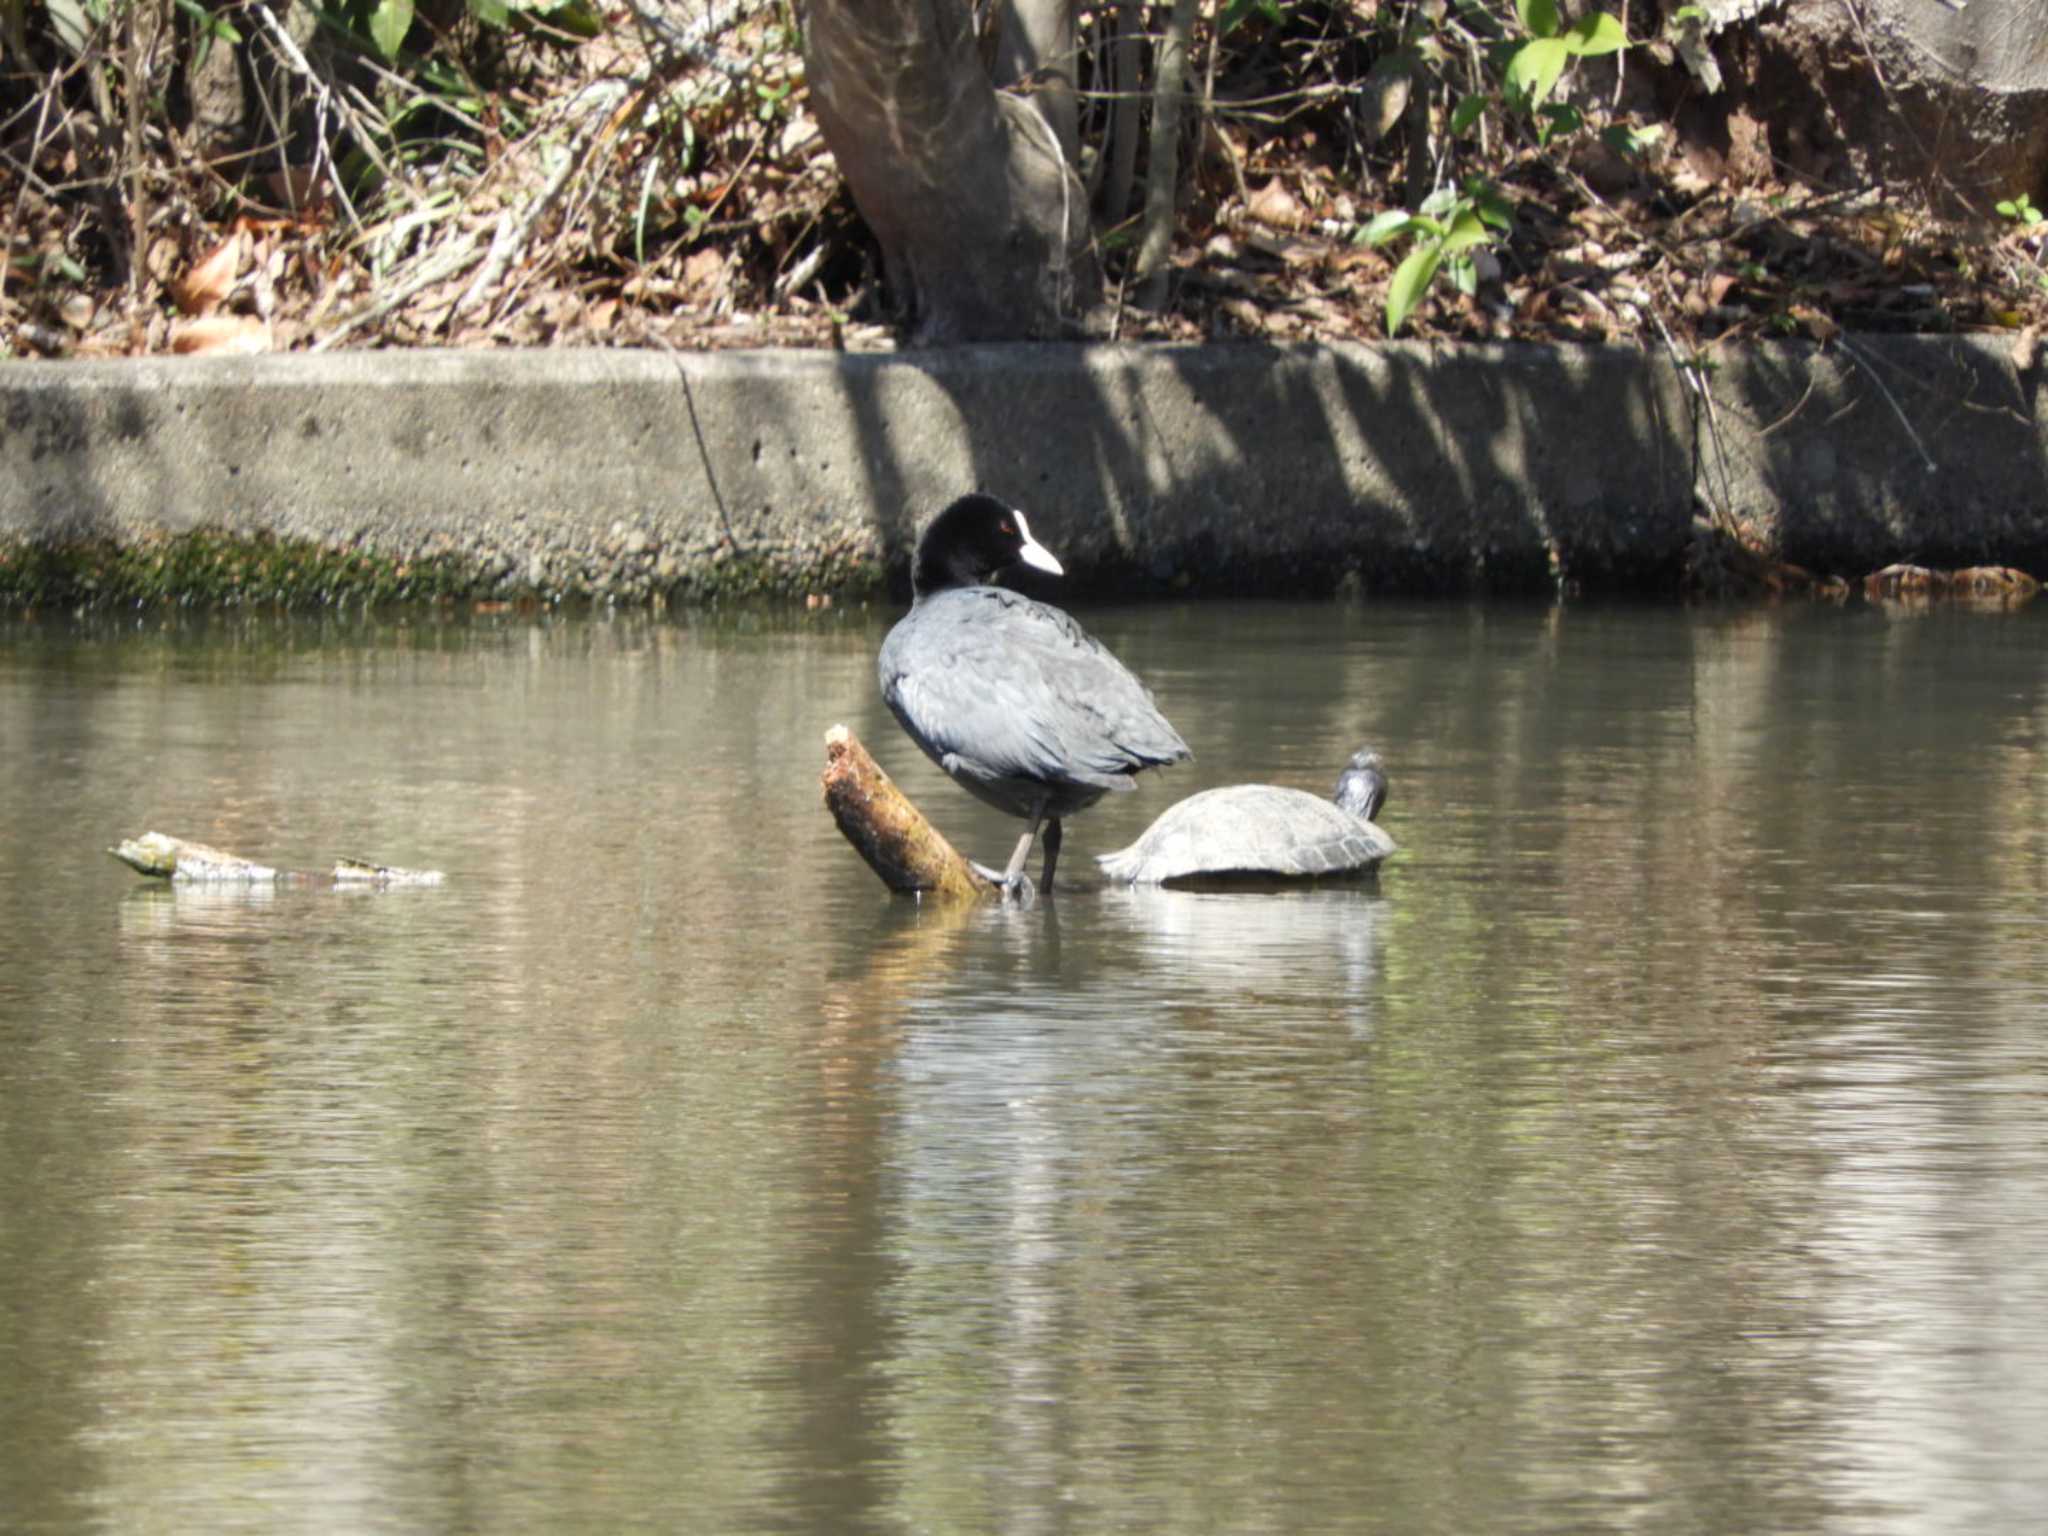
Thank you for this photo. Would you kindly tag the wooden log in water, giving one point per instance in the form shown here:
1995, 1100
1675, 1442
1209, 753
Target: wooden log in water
888, 831
164, 857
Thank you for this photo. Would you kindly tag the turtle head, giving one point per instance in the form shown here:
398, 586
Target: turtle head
1362, 786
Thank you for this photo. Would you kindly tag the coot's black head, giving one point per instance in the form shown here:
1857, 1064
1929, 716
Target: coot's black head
970, 541
1362, 786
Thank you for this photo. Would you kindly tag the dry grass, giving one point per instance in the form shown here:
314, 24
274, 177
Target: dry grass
660, 179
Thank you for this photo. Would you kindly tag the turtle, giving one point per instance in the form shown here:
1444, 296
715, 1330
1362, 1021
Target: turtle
1264, 831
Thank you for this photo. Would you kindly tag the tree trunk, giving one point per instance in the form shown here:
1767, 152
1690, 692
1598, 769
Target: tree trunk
1036, 44
1951, 98
982, 223
1162, 173
1127, 73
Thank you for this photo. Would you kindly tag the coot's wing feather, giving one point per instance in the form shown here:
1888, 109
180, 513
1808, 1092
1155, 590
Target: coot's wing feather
1012, 688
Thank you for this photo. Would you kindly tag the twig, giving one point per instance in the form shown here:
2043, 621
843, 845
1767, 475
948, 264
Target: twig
28, 178
511, 238
1864, 363
793, 281
1812, 383
1723, 507
134, 88
693, 42
443, 264
1162, 177
325, 100
696, 428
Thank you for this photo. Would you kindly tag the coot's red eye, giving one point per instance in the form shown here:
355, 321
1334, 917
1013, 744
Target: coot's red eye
1009, 527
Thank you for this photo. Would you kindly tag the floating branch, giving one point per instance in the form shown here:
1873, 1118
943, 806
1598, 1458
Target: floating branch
875, 816
163, 857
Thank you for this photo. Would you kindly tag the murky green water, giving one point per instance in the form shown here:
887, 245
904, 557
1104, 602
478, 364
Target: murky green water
1659, 1146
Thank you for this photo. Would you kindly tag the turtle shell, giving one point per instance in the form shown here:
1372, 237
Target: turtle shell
1250, 829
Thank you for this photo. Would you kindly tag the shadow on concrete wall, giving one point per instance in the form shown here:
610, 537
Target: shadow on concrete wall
1883, 448
1252, 469
1213, 469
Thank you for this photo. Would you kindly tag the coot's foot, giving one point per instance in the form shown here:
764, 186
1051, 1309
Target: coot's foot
1016, 887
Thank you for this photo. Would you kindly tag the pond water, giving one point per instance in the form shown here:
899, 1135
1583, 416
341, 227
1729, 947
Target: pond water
1660, 1143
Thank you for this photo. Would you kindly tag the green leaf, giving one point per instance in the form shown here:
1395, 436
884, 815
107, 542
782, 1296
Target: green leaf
1539, 17
1558, 117
71, 23
1391, 225
1441, 203
208, 27
1466, 113
389, 23
1411, 281
1465, 232
491, 13
1626, 139
578, 18
1235, 13
1595, 34
1489, 204
1534, 69
1394, 64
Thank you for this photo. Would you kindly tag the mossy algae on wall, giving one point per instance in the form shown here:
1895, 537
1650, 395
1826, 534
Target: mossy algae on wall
216, 569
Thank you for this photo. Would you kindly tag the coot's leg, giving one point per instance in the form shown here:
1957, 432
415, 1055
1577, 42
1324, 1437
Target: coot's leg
1052, 852
1014, 879
1016, 864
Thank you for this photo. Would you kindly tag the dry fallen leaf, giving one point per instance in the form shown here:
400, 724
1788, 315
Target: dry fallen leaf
1361, 260
161, 260
703, 267
2026, 347
1273, 204
1293, 250
298, 186
206, 287
232, 334
1383, 101
1819, 325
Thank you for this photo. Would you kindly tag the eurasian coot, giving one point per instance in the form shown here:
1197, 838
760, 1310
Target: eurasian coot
1019, 704
1264, 830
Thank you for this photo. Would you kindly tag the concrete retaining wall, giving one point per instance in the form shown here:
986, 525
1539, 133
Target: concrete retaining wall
1211, 468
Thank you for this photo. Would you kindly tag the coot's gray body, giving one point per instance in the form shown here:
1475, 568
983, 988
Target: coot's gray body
1263, 830
1014, 700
